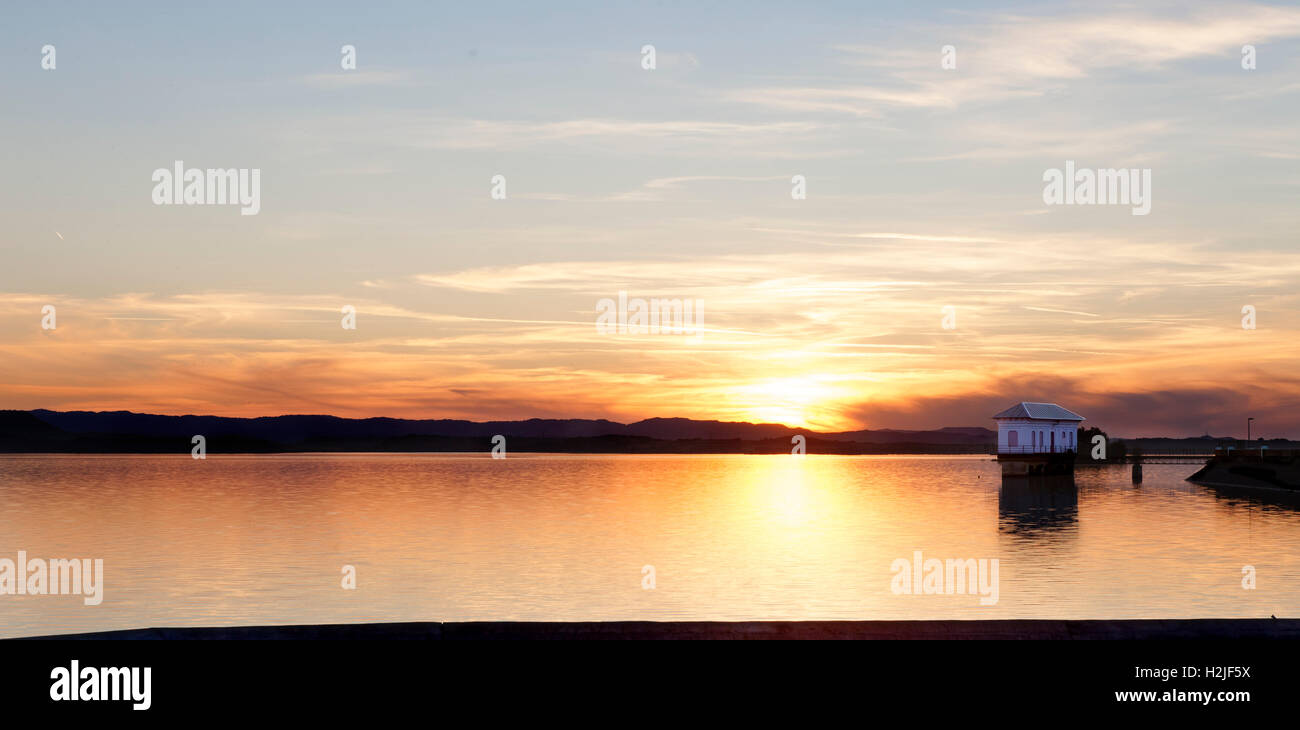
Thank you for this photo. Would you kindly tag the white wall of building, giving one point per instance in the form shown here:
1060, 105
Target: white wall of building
1034, 436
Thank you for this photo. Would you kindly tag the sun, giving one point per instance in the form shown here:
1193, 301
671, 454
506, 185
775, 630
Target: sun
805, 401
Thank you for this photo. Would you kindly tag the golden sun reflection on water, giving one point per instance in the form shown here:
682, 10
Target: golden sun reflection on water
262, 539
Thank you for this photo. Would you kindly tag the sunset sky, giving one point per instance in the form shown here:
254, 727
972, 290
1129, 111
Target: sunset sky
924, 190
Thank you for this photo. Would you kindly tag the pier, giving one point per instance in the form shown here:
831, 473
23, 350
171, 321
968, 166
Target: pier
1173, 456
1257, 467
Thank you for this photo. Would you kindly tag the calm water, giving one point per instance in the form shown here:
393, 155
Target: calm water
262, 539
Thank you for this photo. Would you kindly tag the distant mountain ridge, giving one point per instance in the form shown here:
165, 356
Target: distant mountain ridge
292, 428
126, 431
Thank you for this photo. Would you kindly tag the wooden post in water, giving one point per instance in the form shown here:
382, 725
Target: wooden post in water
1137, 467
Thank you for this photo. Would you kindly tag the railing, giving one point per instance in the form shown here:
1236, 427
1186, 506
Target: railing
1255, 452
1167, 456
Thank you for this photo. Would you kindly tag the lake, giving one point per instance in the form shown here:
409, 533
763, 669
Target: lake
263, 539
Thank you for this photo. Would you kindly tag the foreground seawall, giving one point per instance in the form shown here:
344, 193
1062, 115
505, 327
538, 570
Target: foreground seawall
1277, 470
489, 630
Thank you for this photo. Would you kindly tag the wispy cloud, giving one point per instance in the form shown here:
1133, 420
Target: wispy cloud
654, 190
420, 130
1024, 56
345, 79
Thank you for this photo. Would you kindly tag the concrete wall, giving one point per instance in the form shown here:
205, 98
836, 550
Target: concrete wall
967, 629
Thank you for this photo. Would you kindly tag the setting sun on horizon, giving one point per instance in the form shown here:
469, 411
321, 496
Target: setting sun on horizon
329, 326
868, 233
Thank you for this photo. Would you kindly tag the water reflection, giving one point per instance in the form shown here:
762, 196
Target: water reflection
1255, 497
1037, 506
257, 540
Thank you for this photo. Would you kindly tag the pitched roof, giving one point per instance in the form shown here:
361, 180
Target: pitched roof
1045, 411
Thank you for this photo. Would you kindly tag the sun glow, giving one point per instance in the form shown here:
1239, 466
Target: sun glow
804, 402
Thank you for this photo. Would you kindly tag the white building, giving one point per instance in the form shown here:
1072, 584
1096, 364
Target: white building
1037, 428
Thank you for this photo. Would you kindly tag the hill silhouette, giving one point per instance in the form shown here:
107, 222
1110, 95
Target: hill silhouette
128, 432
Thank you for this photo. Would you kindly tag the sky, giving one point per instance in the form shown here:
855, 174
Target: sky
924, 190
